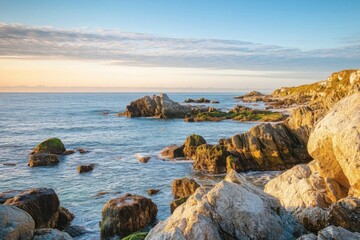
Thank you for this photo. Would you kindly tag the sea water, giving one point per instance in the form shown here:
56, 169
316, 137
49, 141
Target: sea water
113, 142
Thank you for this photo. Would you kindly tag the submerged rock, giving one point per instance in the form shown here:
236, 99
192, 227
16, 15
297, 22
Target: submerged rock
50, 234
15, 223
75, 230
143, 159
233, 209
85, 168
157, 106
43, 159
44, 207
51, 145
127, 214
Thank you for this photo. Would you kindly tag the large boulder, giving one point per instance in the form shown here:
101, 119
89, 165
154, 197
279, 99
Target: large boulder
299, 187
51, 145
233, 209
43, 159
191, 143
50, 234
44, 206
157, 106
335, 144
15, 223
127, 214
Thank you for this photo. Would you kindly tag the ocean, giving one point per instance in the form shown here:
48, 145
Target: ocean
27, 119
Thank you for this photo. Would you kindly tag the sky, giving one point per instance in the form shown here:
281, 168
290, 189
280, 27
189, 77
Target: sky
178, 44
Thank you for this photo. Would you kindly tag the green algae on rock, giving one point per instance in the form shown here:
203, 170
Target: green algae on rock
51, 145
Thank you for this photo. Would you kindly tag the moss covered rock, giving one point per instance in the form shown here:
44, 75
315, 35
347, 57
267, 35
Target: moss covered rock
51, 145
211, 158
191, 143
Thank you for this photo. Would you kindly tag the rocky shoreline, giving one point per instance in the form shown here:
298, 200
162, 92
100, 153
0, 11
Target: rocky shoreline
316, 197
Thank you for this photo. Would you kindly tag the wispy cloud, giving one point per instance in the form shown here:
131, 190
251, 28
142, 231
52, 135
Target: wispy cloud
138, 49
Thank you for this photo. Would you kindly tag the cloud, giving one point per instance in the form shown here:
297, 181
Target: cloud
136, 49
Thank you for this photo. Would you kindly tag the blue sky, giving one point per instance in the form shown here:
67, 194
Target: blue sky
290, 23
299, 40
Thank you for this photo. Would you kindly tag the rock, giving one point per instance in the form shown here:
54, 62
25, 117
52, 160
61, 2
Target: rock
50, 234
268, 147
253, 96
64, 219
85, 168
158, 106
15, 223
189, 100
9, 164
233, 209
184, 187
189, 119
335, 144
191, 143
82, 150
299, 187
302, 121
51, 145
127, 214
152, 191
177, 202
332, 233
215, 102
312, 218
43, 159
173, 151
7, 195
69, 152
211, 158
346, 213
143, 159
43, 205
75, 230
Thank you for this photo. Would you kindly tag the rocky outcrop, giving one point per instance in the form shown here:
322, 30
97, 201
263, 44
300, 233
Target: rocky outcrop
126, 214
191, 143
182, 189
335, 144
253, 96
85, 168
15, 223
173, 151
233, 209
44, 207
211, 158
157, 106
332, 233
43, 159
263, 147
50, 234
51, 145
200, 100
